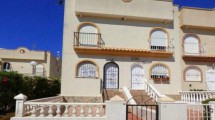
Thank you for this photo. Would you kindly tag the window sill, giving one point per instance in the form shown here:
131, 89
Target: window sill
88, 77
156, 79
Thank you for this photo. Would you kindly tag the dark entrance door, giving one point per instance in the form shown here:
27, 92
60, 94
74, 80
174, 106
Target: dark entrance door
111, 76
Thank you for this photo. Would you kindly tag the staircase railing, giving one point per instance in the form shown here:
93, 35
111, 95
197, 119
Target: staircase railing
128, 96
152, 92
196, 96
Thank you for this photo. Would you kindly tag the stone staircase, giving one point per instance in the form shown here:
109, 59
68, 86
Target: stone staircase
142, 97
107, 94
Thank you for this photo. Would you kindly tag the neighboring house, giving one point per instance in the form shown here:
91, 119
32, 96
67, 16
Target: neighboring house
198, 56
30, 62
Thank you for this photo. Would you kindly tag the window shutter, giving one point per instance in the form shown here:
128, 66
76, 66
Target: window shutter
193, 74
158, 38
191, 45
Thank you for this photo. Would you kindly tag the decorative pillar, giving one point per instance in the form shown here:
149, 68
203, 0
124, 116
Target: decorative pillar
20, 99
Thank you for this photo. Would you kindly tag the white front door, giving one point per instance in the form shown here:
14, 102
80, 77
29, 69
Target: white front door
210, 76
137, 77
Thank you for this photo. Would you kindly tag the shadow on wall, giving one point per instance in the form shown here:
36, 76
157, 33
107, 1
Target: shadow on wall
127, 23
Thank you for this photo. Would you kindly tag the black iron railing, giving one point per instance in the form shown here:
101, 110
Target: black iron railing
88, 40
142, 112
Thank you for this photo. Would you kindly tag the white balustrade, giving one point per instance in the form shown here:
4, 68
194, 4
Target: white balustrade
152, 92
47, 109
196, 96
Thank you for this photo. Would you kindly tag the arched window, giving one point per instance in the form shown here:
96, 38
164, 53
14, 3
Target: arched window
87, 69
191, 44
159, 39
159, 72
88, 35
111, 75
193, 73
40, 70
6, 66
137, 77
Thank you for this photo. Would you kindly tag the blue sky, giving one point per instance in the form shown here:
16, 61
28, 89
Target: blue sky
38, 24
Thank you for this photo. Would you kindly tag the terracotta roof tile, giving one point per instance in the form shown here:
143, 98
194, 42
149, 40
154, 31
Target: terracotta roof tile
125, 49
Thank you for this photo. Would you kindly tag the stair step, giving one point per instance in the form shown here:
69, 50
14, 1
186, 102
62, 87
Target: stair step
109, 93
142, 97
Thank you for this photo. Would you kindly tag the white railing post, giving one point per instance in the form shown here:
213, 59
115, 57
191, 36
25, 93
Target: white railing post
20, 108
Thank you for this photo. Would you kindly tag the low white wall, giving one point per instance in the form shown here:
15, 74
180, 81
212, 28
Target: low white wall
57, 118
172, 110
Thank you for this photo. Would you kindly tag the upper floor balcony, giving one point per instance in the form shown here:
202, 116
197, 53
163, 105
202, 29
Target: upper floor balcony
93, 44
194, 50
197, 18
159, 10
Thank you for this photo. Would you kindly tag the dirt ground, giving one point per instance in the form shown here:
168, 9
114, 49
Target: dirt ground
7, 117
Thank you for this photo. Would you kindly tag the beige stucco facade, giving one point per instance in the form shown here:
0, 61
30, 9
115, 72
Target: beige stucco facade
20, 59
200, 23
124, 29
133, 32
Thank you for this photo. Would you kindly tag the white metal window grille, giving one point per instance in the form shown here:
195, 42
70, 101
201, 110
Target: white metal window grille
88, 35
111, 75
137, 77
210, 78
6, 66
159, 40
191, 45
159, 71
192, 74
39, 70
87, 69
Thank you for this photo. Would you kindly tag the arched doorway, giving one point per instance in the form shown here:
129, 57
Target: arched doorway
137, 77
210, 79
111, 76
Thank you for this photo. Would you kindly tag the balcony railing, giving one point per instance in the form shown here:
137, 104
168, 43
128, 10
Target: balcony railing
88, 40
194, 49
164, 48
196, 96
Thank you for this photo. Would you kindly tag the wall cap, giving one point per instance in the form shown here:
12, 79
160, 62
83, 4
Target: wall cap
20, 97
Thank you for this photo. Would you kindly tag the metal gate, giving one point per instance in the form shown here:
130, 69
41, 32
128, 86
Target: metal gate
142, 111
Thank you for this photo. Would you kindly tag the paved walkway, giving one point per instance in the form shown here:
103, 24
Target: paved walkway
133, 117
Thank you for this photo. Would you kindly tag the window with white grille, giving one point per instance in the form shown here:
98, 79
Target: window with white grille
191, 45
40, 70
87, 69
159, 40
159, 71
193, 74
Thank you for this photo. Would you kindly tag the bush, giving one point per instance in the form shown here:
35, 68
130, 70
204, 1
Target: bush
207, 110
13, 83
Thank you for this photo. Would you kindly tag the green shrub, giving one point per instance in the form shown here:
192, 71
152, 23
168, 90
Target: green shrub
207, 109
13, 83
